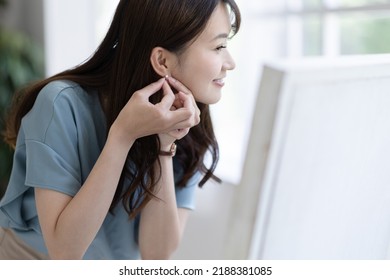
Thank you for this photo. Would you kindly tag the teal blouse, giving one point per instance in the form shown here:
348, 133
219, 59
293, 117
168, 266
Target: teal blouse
58, 144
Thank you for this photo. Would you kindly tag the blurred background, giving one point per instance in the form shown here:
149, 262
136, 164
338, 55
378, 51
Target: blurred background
38, 38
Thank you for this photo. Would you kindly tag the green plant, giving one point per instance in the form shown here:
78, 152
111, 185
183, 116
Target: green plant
21, 61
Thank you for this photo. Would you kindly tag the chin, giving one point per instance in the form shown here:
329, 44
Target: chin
215, 98
214, 102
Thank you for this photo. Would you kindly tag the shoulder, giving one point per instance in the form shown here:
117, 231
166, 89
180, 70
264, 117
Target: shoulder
57, 105
63, 98
59, 91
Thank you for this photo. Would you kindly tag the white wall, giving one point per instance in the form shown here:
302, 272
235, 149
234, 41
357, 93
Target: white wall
71, 34
204, 237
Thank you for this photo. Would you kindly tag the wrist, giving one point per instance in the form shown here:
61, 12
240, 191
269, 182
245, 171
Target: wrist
115, 136
168, 151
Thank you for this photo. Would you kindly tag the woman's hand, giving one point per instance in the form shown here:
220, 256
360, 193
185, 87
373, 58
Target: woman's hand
183, 95
162, 223
141, 118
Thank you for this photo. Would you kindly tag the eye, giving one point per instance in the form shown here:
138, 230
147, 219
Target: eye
219, 48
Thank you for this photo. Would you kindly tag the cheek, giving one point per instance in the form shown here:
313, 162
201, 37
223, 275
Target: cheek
195, 85
197, 75
189, 74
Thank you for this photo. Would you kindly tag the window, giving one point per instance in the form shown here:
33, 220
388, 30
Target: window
282, 29
270, 29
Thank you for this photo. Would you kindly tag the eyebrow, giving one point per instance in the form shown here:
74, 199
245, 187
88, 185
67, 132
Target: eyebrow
221, 36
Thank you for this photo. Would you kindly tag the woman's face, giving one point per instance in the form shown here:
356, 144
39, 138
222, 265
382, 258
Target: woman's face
203, 65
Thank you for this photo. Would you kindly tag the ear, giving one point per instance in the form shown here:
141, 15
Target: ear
162, 61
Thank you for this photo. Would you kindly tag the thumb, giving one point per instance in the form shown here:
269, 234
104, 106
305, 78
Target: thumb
168, 98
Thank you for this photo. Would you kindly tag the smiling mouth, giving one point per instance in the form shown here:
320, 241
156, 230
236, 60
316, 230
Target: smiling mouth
219, 82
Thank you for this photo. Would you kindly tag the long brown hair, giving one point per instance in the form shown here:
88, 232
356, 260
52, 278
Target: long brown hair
119, 67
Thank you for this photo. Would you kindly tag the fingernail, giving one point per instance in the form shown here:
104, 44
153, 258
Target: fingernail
172, 79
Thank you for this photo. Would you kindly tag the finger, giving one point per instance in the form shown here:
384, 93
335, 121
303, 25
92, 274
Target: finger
168, 98
178, 85
151, 89
183, 120
177, 103
187, 115
184, 100
182, 88
178, 133
189, 101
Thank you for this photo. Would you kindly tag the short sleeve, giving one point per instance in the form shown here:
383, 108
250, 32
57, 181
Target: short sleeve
48, 169
46, 156
186, 197
52, 157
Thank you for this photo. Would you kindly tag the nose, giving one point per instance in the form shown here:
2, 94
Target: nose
229, 63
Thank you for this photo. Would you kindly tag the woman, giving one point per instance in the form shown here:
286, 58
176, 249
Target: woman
95, 174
